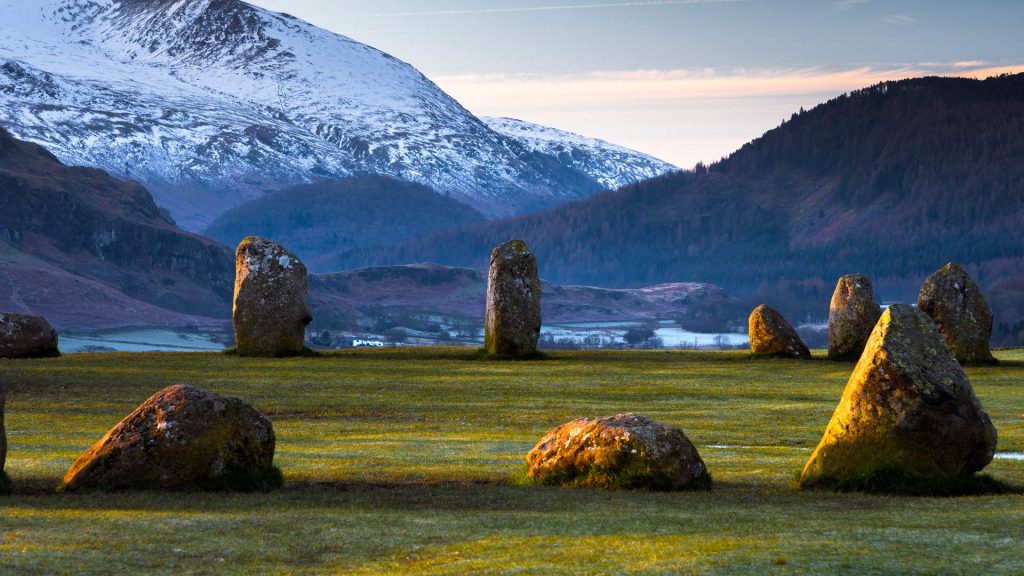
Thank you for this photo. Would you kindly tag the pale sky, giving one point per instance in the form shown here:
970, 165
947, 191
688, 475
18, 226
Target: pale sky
683, 80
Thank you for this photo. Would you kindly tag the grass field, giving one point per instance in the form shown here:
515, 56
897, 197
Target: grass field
411, 461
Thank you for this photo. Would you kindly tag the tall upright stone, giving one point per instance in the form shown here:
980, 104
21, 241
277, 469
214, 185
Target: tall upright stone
770, 333
271, 310
908, 412
960, 311
851, 317
512, 322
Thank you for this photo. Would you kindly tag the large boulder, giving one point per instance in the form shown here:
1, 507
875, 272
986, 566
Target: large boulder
271, 310
182, 438
908, 412
771, 334
512, 322
26, 337
851, 317
624, 451
960, 311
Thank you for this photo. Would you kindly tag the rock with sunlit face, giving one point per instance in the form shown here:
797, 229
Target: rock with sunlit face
960, 311
851, 318
181, 438
512, 321
271, 310
908, 412
771, 334
624, 451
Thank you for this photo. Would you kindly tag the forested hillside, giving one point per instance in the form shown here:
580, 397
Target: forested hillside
892, 181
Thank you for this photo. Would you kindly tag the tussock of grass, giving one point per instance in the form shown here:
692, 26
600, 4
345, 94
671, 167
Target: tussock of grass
483, 354
898, 483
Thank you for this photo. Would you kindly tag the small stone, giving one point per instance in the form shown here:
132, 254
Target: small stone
512, 322
851, 318
27, 337
960, 312
908, 409
624, 451
181, 438
771, 334
271, 310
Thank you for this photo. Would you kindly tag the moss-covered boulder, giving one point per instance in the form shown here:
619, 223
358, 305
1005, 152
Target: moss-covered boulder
960, 311
182, 438
26, 337
771, 334
908, 413
852, 316
271, 310
624, 451
512, 319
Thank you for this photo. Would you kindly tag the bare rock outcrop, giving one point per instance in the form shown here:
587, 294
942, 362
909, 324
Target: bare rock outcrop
26, 337
908, 412
771, 334
852, 316
960, 312
624, 451
271, 310
512, 321
181, 438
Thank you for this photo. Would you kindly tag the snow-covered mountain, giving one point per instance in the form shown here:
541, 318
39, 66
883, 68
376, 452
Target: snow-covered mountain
210, 103
612, 166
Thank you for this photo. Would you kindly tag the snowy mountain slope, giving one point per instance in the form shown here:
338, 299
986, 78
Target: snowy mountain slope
613, 166
210, 103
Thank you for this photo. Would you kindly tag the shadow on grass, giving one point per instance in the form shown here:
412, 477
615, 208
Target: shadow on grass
898, 483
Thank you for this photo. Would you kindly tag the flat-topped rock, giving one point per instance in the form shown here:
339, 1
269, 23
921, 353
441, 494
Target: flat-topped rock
26, 337
771, 334
271, 310
960, 311
513, 318
852, 316
181, 438
624, 451
908, 411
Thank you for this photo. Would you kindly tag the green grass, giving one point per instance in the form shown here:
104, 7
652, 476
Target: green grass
411, 461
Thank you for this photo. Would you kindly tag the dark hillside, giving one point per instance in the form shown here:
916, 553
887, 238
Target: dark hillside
892, 181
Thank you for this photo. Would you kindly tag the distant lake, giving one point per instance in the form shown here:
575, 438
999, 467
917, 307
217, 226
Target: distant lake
141, 340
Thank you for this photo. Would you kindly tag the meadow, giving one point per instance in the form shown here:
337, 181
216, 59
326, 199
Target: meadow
412, 461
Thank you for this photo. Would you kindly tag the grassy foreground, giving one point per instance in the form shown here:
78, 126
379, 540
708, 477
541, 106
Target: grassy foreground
410, 461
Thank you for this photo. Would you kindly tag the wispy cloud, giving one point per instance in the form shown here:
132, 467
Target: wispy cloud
680, 115
558, 7
900, 19
847, 4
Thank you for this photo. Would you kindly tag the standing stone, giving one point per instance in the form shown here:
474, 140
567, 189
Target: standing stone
851, 317
512, 324
771, 334
624, 451
26, 337
270, 306
181, 438
908, 411
960, 311
3, 431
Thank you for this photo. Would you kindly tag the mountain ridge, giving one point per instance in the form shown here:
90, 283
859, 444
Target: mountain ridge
210, 104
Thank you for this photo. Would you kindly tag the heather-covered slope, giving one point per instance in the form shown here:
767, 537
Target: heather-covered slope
88, 250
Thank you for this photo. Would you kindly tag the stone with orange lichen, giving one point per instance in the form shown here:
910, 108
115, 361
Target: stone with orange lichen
771, 334
624, 451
